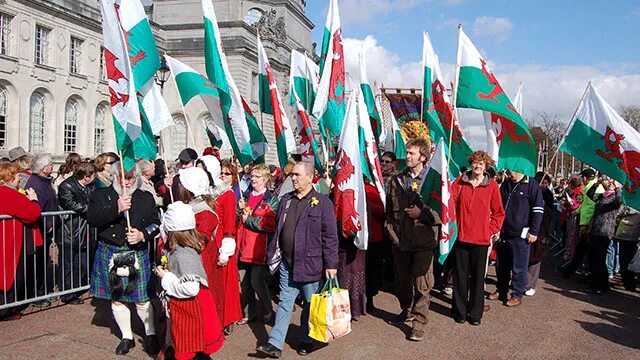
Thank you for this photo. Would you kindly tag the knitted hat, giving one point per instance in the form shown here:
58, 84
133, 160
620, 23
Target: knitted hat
179, 217
212, 164
195, 180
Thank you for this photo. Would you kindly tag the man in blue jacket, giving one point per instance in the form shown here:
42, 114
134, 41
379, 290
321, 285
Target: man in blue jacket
524, 207
305, 243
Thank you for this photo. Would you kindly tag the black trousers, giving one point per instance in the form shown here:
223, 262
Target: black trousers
598, 262
374, 267
627, 251
581, 250
468, 280
74, 268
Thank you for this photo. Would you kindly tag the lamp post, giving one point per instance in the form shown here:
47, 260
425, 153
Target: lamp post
162, 75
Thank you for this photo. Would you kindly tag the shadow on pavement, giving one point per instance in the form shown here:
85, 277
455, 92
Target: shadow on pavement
619, 330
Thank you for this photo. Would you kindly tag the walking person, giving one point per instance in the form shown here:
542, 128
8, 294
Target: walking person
414, 228
480, 215
524, 208
304, 248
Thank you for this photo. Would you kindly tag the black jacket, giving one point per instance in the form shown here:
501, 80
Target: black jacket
523, 207
111, 225
75, 197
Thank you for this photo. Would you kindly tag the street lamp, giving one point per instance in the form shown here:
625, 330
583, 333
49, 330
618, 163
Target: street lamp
162, 76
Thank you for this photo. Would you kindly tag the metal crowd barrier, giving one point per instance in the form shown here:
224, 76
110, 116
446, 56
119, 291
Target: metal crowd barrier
62, 266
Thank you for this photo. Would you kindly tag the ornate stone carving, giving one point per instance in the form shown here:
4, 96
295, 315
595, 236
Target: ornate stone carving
271, 27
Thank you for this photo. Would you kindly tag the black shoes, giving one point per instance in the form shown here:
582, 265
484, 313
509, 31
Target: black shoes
151, 344
270, 351
474, 322
403, 317
42, 303
124, 346
459, 320
304, 349
76, 301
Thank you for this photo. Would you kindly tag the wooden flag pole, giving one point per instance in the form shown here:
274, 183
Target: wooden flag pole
124, 188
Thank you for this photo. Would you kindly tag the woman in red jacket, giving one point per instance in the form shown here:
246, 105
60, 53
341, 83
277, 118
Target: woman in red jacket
256, 225
24, 210
480, 214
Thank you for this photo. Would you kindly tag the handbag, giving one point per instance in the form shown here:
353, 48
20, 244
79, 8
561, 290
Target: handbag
330, 312
123, 264
634, 265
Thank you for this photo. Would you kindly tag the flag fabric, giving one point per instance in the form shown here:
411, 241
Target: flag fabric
493, 146
190, 84
478, 88
303, 80
369, 99
308, 146
394, 141
405, 107
438, 112
348, 191
259, 145
239, 124
329, 106
369, 147
155, 109
131, 60
600, 137
436, 194
271, 103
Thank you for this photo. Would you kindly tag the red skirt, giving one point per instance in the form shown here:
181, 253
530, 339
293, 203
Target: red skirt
195, 326
224, 284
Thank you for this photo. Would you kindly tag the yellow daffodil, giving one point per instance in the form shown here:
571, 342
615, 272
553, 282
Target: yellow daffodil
414, 186
314, 201
164, 261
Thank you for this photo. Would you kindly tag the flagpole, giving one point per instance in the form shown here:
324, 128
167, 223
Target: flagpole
166, 168
124, 189
184, 112
454, 95
573, 119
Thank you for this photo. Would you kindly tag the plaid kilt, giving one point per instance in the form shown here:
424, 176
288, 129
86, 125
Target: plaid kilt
100, 287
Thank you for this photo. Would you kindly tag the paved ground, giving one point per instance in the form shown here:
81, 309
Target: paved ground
560, 322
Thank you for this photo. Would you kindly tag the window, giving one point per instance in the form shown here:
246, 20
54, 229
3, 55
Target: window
255, 84
70, 125
253, 16
36, 122
178, 135
75, 55
42, 45
5, 31
102, 74
3, 117
98, 133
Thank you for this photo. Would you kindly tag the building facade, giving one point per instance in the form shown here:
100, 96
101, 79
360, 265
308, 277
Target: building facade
53, 92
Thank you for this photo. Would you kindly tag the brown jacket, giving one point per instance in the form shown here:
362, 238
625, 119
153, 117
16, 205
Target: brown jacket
407, 233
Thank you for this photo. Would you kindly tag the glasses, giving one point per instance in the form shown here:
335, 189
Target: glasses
226, 173
386, 162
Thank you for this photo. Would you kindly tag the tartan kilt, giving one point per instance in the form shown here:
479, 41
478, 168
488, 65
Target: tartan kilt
100, 287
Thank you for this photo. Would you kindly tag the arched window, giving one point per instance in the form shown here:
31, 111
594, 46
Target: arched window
3, 117
70, 125
36, 122
178, 135
98, 133
253, 16
207, 122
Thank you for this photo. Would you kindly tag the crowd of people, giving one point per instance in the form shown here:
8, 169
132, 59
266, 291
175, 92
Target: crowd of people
229, 241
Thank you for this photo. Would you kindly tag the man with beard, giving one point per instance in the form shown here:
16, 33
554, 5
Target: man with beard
126, 219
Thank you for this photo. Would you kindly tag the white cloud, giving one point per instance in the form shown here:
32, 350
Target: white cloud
552, 89
362, 12
498, 28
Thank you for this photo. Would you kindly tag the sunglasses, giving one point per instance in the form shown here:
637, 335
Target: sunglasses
226, 173
386, 161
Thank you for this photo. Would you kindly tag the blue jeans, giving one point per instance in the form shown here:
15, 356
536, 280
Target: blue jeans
289, 291
613, 262
513, 257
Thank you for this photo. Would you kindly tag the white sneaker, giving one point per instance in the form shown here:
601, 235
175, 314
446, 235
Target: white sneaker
530, 292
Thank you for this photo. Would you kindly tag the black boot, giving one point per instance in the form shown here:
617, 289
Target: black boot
124, 346
151, 345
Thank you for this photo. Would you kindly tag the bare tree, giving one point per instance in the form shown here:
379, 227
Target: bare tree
631, 114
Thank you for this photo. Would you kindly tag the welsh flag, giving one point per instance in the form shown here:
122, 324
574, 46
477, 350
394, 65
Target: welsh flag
493, 146
393, 140
368, 139
308, 146
369, 99
271, 103
190, 84
329, 106
244, 134
436, 194
348, 191
602, 139
131, 60
437, 110
478, 88
303, 80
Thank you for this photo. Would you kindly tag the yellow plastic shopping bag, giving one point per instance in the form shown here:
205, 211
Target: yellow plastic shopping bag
330, 312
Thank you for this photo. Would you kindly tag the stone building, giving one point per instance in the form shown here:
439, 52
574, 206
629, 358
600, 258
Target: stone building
53, 93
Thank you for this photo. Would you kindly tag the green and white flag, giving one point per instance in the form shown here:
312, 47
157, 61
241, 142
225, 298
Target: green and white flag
190, 84
348, 191
240, 125
601, 138
329, 105
438, 112
303, 80
369, 147
493, 146
478, 88
307, 146
271, 103
393, 140
369, 99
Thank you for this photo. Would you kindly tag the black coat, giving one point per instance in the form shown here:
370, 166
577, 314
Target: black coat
111, 225
75, 197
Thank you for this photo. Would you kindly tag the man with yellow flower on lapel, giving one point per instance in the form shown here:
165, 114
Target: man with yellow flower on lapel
304, 248
413, 228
